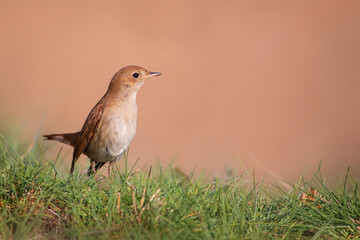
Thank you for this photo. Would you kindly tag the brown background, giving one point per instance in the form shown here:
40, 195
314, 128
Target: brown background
269, 85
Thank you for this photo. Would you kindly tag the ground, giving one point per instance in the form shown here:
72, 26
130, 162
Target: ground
39, 201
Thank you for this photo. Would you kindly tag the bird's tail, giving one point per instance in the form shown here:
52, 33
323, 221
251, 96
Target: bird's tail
67, 138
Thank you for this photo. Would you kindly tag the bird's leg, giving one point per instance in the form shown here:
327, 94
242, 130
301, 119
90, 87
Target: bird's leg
93, 168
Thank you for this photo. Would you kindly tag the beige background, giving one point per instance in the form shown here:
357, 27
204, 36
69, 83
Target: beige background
272, 85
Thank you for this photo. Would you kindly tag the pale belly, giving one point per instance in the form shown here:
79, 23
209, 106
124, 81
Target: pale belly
112, 139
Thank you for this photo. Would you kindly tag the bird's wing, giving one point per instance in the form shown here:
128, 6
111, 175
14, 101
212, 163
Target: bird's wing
91, 125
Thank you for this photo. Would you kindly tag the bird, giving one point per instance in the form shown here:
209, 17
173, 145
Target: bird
111, 125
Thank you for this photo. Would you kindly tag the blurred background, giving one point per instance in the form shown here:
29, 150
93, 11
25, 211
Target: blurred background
272, 86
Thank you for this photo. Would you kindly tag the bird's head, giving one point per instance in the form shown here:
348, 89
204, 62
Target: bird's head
131, 77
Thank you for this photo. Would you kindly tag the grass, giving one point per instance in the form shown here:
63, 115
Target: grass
39, 202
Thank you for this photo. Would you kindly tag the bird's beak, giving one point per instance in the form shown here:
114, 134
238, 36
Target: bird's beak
154, 74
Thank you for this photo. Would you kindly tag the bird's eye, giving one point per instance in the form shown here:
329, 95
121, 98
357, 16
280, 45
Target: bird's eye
135, 75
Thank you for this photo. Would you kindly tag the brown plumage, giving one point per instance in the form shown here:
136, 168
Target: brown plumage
111, 125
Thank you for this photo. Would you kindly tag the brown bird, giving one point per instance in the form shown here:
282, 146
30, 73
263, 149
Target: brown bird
111, 125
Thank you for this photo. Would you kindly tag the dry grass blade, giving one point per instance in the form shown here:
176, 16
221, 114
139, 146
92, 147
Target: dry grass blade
155, 195
118, 210
196, 214
309, 198
143, 198
27, 151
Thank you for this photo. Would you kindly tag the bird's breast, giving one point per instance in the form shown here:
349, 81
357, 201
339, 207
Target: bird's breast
116, 132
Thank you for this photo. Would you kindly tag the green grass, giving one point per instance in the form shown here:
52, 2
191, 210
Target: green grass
39, 202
